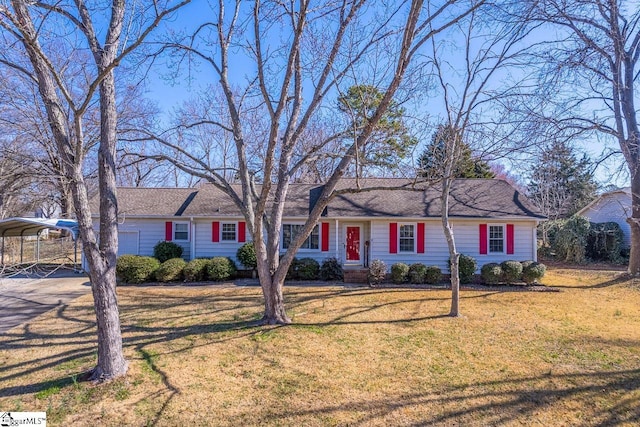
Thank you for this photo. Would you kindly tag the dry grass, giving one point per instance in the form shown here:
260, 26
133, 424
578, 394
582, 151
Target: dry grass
353, 357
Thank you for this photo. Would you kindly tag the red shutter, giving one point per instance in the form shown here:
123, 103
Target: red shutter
325, 236
421, 237
168, 231
242, 231
393, 238
215, 231
483, 239
510, 236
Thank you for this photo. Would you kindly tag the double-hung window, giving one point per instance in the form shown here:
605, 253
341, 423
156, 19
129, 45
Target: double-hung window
181, 231
228, 232
290, 231
496, 239
407, 238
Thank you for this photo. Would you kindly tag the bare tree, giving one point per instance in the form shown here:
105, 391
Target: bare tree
592, 75
35, 27
303, 54
492, 44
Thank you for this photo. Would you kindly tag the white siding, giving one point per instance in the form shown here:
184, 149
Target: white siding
150, 232
466, 234
613, 207
206, 248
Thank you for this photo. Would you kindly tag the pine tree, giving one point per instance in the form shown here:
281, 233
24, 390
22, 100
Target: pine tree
390, 141
431, 162
561, 183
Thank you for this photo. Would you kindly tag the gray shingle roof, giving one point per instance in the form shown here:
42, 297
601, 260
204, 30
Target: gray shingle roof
140, 201
381, 197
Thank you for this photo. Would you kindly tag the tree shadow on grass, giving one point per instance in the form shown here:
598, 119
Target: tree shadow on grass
622, 278
501, 402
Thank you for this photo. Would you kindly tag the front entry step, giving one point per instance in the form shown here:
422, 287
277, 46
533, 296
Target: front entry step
356, 275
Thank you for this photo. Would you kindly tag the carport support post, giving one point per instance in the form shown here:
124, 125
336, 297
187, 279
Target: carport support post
38, 246
75, 254
21, 247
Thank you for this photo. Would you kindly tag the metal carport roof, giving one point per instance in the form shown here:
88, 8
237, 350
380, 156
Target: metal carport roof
20, 227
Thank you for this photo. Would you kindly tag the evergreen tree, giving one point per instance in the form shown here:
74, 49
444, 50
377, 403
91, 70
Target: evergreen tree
561, 183
390, 141
431, 162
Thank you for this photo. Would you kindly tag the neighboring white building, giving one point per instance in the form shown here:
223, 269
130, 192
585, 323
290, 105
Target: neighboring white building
492, 222
613, 206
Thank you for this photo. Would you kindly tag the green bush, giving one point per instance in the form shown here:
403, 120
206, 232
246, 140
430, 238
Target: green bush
164, 251
195, 270
136, 269
170, 270
331, 270
525, 264
604, 242
491, 273
377, 272
292, 271
417, 273
511, 271
533, 272
307, 269
247, 256
467, 267
570, 240
433, 275
399, 272
220, 268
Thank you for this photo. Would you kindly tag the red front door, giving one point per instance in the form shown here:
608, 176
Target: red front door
353, 243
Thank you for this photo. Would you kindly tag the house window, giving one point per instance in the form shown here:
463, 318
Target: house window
289, 232
181, 231
407, 238
496, 239
228, 232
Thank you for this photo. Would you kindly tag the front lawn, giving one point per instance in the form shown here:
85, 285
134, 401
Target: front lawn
354, 356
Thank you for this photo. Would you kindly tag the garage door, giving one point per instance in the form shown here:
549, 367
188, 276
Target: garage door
128, 243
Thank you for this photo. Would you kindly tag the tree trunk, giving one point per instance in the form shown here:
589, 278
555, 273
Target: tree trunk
634, 223
274, 311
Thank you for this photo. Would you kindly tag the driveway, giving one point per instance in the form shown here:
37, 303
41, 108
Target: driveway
23, 298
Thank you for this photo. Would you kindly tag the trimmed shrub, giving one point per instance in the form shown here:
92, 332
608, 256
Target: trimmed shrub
399, 272
247, 256
417, 273
491, 273
136, 269
467, 267
377, 272
533, 272
331, 270
525, 264
164, 251
195, 270
511, 271
170, 270
220, 268
433, 275
307, 269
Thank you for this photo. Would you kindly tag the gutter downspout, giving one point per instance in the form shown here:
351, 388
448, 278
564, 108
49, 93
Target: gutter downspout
192, 226
337, 237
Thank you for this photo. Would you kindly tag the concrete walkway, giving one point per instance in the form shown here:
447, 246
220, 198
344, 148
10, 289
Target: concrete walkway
24, 298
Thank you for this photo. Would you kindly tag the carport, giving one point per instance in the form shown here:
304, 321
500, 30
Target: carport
33, 227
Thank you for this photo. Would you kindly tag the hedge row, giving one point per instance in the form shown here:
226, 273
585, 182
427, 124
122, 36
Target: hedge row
140, 269
510, 272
